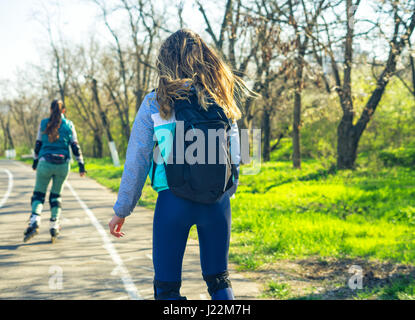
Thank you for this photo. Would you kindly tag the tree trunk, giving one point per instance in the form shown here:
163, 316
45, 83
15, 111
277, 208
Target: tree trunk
347, 143
124, 119
299, 67
296, 131
9, 135
248, 117
102, 114
298, 83
4, 133
266, 130
97, 149
126, 125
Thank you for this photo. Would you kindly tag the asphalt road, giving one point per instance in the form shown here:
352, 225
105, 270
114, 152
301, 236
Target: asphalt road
86, 262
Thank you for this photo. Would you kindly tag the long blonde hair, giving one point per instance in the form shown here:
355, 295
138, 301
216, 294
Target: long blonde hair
185, 60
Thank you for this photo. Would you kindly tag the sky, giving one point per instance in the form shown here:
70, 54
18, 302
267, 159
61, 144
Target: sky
23, 39
14, 24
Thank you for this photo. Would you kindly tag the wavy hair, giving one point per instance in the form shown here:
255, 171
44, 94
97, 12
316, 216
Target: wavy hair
55, 120
185, 60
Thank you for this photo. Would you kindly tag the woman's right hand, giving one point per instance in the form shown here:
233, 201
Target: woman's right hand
115, 226
34, 165
82, 171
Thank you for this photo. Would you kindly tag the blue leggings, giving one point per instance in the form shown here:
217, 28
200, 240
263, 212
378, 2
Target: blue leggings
173, 218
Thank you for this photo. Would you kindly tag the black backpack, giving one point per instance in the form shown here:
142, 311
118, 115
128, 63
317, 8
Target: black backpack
205, 181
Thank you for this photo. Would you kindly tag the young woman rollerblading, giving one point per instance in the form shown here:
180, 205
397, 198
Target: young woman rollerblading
195, 97
55, 136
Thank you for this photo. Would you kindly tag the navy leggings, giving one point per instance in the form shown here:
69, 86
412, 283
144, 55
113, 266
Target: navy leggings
173, 219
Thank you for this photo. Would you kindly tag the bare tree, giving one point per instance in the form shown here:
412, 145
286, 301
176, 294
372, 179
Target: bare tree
271, 64
83, 95
143, 22
302, 30
350, 130
122, 97
237, 34
61, 65
27, 112
8, 142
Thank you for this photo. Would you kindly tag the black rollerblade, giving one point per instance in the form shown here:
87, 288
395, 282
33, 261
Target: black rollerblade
31, 231
54, 235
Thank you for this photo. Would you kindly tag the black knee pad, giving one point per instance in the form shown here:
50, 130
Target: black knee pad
170, 290
55, 200
217, 282
38, 196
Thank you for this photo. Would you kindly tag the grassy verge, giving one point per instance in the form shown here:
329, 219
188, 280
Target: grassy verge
285, 213
399, 288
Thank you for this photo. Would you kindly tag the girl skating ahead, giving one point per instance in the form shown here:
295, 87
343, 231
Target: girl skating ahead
55, 136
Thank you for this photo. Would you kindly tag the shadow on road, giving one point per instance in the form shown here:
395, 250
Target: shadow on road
17, 246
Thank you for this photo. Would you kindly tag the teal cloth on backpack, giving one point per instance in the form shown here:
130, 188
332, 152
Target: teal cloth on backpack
60, 146
164, 133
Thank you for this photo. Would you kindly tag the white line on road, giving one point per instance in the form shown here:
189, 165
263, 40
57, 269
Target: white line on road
109, 246
9, 188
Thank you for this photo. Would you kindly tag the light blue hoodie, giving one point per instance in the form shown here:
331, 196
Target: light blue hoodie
148, 128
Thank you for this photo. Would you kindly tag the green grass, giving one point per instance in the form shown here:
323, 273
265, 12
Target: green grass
277, 290
401, 288
287, 213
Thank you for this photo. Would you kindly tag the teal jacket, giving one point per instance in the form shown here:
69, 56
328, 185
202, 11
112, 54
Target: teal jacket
67, 135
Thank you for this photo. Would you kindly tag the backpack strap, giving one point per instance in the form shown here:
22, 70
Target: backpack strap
153, 173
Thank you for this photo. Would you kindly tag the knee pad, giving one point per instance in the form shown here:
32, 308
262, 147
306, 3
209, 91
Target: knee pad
55, 200
167, 290
217, 282
38, 196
